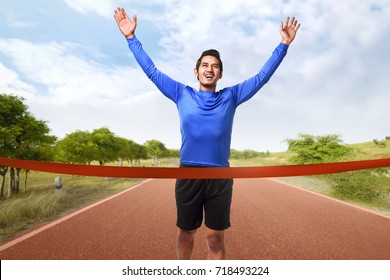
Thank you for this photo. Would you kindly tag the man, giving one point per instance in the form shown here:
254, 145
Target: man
206, 121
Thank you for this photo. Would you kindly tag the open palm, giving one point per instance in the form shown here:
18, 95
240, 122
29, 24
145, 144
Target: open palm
288, 30
126, 26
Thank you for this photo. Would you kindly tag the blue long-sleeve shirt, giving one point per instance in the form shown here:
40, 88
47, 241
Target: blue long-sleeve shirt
206, 118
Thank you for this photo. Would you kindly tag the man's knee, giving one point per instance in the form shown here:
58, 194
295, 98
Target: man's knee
215, 239
186, 235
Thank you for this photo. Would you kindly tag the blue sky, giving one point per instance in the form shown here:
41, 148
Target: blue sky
69, 61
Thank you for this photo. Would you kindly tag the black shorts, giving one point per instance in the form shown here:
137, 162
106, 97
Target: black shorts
214, 196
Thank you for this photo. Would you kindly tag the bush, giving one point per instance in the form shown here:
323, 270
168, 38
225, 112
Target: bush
317, 149
247, 154
379, 143
357, 185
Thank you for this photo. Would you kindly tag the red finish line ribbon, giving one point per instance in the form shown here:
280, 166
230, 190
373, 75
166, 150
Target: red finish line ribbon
201, 172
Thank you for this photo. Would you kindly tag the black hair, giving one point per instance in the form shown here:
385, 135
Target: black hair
210, 52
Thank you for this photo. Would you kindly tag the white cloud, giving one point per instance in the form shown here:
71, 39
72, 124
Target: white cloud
12, 21
73, 93
10, 83
102, 7
333, 79
65, 73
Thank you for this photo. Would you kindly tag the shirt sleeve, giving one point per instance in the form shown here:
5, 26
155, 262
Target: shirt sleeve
244, 91
169, 87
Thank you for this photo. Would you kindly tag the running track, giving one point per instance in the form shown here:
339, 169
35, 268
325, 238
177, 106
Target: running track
270, 220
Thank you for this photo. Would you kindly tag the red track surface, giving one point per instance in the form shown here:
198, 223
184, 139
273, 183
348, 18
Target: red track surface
270, 220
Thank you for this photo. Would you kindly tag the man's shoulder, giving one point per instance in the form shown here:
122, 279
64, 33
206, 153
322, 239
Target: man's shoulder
227, 92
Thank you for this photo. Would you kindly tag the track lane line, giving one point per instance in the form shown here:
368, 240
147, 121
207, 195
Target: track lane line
67, 217
333, 199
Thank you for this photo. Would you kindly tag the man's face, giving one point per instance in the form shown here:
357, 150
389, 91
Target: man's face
208, 73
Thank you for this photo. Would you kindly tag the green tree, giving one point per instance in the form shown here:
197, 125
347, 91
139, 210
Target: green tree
12, 110
125, 149
317, 149
21, 136
76, 147
108, 145
174, 153
140, 153
131, 151
155, 149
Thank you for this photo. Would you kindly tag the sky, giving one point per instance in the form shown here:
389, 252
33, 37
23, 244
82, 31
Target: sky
71, 64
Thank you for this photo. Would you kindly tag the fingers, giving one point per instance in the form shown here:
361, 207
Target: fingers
297, 27
287, 22
294, 24
120, 14
124, 13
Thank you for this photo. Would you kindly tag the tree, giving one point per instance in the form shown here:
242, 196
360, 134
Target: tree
12, 110
76, 147
140, 153
155, 149
108, 145
21, 136
125, 149
131, 151
174, 153
3, 172
317, 149
33, 143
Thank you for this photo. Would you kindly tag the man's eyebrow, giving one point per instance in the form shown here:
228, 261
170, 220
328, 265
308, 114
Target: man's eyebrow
213, 64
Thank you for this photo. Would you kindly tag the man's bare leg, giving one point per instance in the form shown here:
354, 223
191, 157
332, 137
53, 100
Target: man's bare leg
185, 244
215, 244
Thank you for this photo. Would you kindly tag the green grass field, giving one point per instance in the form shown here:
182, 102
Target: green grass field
41, 203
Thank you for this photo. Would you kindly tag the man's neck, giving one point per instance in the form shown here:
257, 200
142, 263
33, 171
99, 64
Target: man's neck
205, 88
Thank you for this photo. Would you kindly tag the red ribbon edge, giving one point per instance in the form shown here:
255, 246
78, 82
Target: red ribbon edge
201, 172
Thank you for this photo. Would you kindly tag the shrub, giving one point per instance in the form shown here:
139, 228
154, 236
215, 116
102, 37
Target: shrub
362, 185
317, 149
379, 143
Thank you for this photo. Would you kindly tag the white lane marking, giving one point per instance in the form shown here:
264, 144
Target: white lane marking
56, 222
333, 199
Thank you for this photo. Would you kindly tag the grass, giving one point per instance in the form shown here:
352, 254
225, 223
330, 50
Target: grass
267, 159
41, 203
370, 150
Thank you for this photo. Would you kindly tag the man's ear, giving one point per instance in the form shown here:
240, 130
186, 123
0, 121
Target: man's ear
196, 73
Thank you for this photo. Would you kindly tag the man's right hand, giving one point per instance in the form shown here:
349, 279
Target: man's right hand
126, 26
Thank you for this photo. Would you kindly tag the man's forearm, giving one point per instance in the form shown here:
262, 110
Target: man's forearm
141, 56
